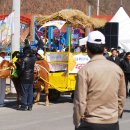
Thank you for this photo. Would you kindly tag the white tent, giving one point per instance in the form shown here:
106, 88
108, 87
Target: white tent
124, 28
83, 41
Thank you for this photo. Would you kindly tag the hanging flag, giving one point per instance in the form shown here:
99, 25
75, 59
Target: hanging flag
7, 27
58, 23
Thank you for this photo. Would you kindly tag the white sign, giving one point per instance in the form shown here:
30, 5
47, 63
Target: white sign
81, 60
7, 27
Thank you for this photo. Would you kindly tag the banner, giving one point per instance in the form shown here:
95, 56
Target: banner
59, 61
7, 27
58, 23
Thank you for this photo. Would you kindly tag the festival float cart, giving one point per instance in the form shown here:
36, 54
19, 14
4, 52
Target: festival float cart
65, 65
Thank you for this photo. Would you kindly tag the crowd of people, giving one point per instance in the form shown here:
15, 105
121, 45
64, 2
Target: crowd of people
25, 71
55, 45
123, 60
58, 45
101, 85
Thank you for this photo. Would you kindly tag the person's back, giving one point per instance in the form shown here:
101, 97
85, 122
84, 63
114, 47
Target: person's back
103, 79
28, 69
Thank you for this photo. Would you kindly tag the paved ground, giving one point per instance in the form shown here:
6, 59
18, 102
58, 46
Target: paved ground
58, 116
125, 121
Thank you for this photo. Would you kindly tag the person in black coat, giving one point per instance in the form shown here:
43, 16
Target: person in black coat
26, 79
114, 57
125, 65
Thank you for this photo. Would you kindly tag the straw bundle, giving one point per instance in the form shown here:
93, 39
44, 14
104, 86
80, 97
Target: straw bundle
73, 18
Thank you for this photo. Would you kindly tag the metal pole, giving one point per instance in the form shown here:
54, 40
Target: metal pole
34, 29
97, 7
15, 45
89, 14
45, 41
16, 36
121, 3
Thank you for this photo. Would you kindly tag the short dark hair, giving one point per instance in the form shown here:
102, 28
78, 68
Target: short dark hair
128, 53
114, 49
27, 49
95, 48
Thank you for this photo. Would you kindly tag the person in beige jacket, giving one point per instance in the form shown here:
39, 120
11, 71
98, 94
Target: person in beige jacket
100, 90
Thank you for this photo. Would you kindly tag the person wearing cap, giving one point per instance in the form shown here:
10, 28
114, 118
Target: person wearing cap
114, 56
100, 90
2, 81
125, 65
40, 55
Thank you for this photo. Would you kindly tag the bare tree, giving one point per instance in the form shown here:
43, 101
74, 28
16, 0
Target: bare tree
46, 7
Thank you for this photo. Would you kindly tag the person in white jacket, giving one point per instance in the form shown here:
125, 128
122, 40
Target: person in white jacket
2, 82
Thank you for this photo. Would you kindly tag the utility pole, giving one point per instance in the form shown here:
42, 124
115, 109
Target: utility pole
89, 14
98, 7
121, 3
15, 46
15, 43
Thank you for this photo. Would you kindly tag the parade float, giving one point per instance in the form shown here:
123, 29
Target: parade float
65, 65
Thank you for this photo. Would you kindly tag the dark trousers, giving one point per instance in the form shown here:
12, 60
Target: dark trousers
26, 95
127, 79
92, 126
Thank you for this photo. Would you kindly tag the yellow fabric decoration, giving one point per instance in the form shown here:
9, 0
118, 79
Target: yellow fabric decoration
14, 59
72, 62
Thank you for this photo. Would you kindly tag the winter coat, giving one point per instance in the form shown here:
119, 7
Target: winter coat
27, 69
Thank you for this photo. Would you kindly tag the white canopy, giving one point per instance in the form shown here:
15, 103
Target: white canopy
124, 28
83, 41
